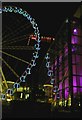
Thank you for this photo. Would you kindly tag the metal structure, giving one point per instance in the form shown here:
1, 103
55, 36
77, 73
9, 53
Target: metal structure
67, 63
17, 28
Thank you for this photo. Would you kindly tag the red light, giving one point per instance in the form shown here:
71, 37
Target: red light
33, 38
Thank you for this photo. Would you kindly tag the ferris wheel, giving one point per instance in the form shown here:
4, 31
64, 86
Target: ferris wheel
19, 51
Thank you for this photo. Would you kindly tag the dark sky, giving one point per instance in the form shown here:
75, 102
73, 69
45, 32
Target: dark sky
48, 15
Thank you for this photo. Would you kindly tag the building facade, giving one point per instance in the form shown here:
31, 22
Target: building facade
67, 65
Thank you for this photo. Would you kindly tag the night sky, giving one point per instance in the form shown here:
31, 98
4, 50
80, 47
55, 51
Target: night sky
49, 17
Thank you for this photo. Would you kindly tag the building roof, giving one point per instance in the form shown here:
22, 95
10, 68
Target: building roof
78, 12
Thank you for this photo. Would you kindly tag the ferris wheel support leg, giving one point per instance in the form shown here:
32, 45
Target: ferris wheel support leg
3, 78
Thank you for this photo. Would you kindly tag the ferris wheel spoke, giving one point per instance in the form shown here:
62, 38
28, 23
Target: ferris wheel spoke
6, 33
16, 39
15, 57
14, 33
18, 47
19, 38
11, 69
17, 22
2, 74
19, 29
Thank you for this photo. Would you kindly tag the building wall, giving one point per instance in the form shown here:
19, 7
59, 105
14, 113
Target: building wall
61, 65
77, 59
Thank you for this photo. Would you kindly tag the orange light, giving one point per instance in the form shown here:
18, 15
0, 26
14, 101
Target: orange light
33, 38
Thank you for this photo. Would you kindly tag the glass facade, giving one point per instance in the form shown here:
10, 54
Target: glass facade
67, 63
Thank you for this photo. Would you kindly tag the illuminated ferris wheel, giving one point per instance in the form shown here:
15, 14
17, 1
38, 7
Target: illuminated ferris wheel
19, 51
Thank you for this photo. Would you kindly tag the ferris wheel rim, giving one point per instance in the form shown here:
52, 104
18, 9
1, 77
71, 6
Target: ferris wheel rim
15, 9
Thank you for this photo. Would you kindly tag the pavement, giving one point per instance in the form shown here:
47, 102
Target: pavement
24, 109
